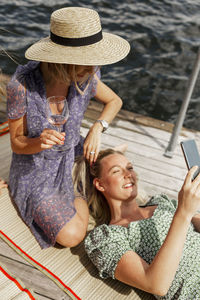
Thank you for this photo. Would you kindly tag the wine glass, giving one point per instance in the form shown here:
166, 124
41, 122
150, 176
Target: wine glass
57, 114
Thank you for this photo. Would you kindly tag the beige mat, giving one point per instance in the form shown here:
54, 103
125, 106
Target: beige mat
70, 269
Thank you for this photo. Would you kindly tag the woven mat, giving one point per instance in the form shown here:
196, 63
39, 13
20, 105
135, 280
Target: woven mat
12, 288
4, 128
70, 269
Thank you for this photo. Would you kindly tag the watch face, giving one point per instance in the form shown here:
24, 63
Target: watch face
105, 124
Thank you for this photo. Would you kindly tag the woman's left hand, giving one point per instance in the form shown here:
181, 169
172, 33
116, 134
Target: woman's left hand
92, 143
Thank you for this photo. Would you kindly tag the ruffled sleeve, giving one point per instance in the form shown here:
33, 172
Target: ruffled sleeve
105, 246
155, 200
16, 99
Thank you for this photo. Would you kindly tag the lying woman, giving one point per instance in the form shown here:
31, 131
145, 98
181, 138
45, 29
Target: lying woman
155, 247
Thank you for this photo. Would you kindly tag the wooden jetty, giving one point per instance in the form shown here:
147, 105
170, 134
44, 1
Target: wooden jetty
147, 140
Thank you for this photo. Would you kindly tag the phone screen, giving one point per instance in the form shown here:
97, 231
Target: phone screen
191, 155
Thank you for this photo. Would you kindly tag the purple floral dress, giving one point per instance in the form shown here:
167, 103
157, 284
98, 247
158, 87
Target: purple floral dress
41, 184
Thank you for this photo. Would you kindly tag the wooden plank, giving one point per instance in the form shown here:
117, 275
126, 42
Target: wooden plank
157, 166
159, 180
30, 276
7, 251
147, 140
133, 126
137, 122
142, 138
147, 190
108, 140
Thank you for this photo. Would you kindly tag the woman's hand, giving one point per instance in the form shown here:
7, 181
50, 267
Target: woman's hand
189, 195
92, 143
50, 137
3, 184
22, 144
112, 104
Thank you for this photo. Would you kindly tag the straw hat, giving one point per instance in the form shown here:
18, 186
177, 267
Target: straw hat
76, 38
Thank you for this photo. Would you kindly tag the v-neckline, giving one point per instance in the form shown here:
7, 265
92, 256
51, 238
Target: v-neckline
139, 219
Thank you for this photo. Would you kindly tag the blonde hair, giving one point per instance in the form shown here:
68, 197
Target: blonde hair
83, 176
67, 73
4, 79
59, 72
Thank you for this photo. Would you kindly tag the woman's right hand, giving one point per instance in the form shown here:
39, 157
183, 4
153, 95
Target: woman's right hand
22, 144
189, 195
50, 137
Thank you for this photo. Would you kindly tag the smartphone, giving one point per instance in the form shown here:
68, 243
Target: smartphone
191, 155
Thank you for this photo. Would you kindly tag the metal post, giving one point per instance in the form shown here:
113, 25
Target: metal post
181, 116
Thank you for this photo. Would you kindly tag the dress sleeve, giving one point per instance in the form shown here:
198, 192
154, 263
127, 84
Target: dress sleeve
94, 84
172, 202
105, 246
16, 99
155, 200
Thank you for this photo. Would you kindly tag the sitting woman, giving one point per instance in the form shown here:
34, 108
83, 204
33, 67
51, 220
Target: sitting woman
66, 64
155, 247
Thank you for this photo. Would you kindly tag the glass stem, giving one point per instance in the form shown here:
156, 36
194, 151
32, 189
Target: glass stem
59, 128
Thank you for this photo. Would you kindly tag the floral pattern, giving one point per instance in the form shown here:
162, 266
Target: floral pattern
41, 184
106, 244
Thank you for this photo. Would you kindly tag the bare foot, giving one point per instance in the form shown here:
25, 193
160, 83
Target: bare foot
122, 147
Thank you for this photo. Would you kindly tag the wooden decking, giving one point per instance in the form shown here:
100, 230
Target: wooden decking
147, 140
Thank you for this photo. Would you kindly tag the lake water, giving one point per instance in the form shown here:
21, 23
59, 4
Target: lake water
164, 37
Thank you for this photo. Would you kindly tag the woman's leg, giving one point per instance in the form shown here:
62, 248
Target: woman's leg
53, 216
74, 231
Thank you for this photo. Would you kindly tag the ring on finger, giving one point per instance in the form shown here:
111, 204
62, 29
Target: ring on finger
92, 152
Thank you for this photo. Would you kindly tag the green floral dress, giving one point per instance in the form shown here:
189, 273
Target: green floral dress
106, 244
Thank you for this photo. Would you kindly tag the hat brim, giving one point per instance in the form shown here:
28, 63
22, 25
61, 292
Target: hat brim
110, 49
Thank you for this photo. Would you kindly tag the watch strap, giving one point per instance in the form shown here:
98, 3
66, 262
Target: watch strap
103, 123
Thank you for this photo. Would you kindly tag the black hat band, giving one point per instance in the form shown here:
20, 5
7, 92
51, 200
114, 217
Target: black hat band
76, 42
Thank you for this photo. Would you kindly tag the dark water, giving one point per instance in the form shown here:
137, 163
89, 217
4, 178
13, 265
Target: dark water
164, 37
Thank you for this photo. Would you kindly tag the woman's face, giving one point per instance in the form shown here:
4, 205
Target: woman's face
84, 72
117, 180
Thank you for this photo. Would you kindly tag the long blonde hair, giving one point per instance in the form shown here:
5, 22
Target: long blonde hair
83, 176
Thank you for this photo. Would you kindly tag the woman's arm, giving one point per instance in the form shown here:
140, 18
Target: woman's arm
112, 101
112, 104
16, 108
157, 277
21, 144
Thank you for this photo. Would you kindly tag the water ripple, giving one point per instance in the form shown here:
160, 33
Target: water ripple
164, 38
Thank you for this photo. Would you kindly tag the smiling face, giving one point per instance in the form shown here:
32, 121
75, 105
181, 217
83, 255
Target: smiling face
117, 180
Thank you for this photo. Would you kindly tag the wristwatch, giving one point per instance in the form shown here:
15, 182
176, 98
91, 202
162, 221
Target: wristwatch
103, 123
